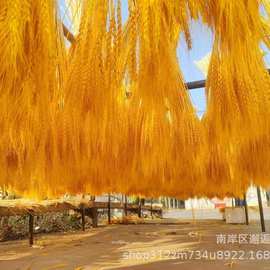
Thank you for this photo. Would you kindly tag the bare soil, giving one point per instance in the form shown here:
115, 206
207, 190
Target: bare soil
159, 244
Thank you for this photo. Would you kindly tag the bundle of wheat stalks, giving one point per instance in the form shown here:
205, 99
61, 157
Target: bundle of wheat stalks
111, 113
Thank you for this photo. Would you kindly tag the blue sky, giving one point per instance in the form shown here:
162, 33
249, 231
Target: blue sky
202, 40
202, 44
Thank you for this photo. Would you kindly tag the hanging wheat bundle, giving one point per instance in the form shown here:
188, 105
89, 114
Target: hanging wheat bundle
94, 142
29, 76
164, 124
237, 88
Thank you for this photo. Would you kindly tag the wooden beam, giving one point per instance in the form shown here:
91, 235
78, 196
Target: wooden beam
69, 36
109, 208
20, 208
83, 217
151, 209
31, 229
125, 206
94, 217
261, 209
140, 208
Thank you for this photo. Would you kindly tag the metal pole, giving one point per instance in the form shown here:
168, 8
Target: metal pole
109, 208
199, 84
195, 84
246, 209
261, 208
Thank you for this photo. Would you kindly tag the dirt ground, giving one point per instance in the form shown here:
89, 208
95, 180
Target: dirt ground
166, 244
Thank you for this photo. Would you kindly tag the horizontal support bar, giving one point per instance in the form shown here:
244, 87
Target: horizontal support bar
195, 84
69, 36
38, 209
199, 84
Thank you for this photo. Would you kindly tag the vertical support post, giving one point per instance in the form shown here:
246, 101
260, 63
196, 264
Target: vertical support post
31, 229
83, 217
267, 198
109, 208
164, 202
140, 208
95, 217
246, 208
151, 208
125, 206
261, 209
